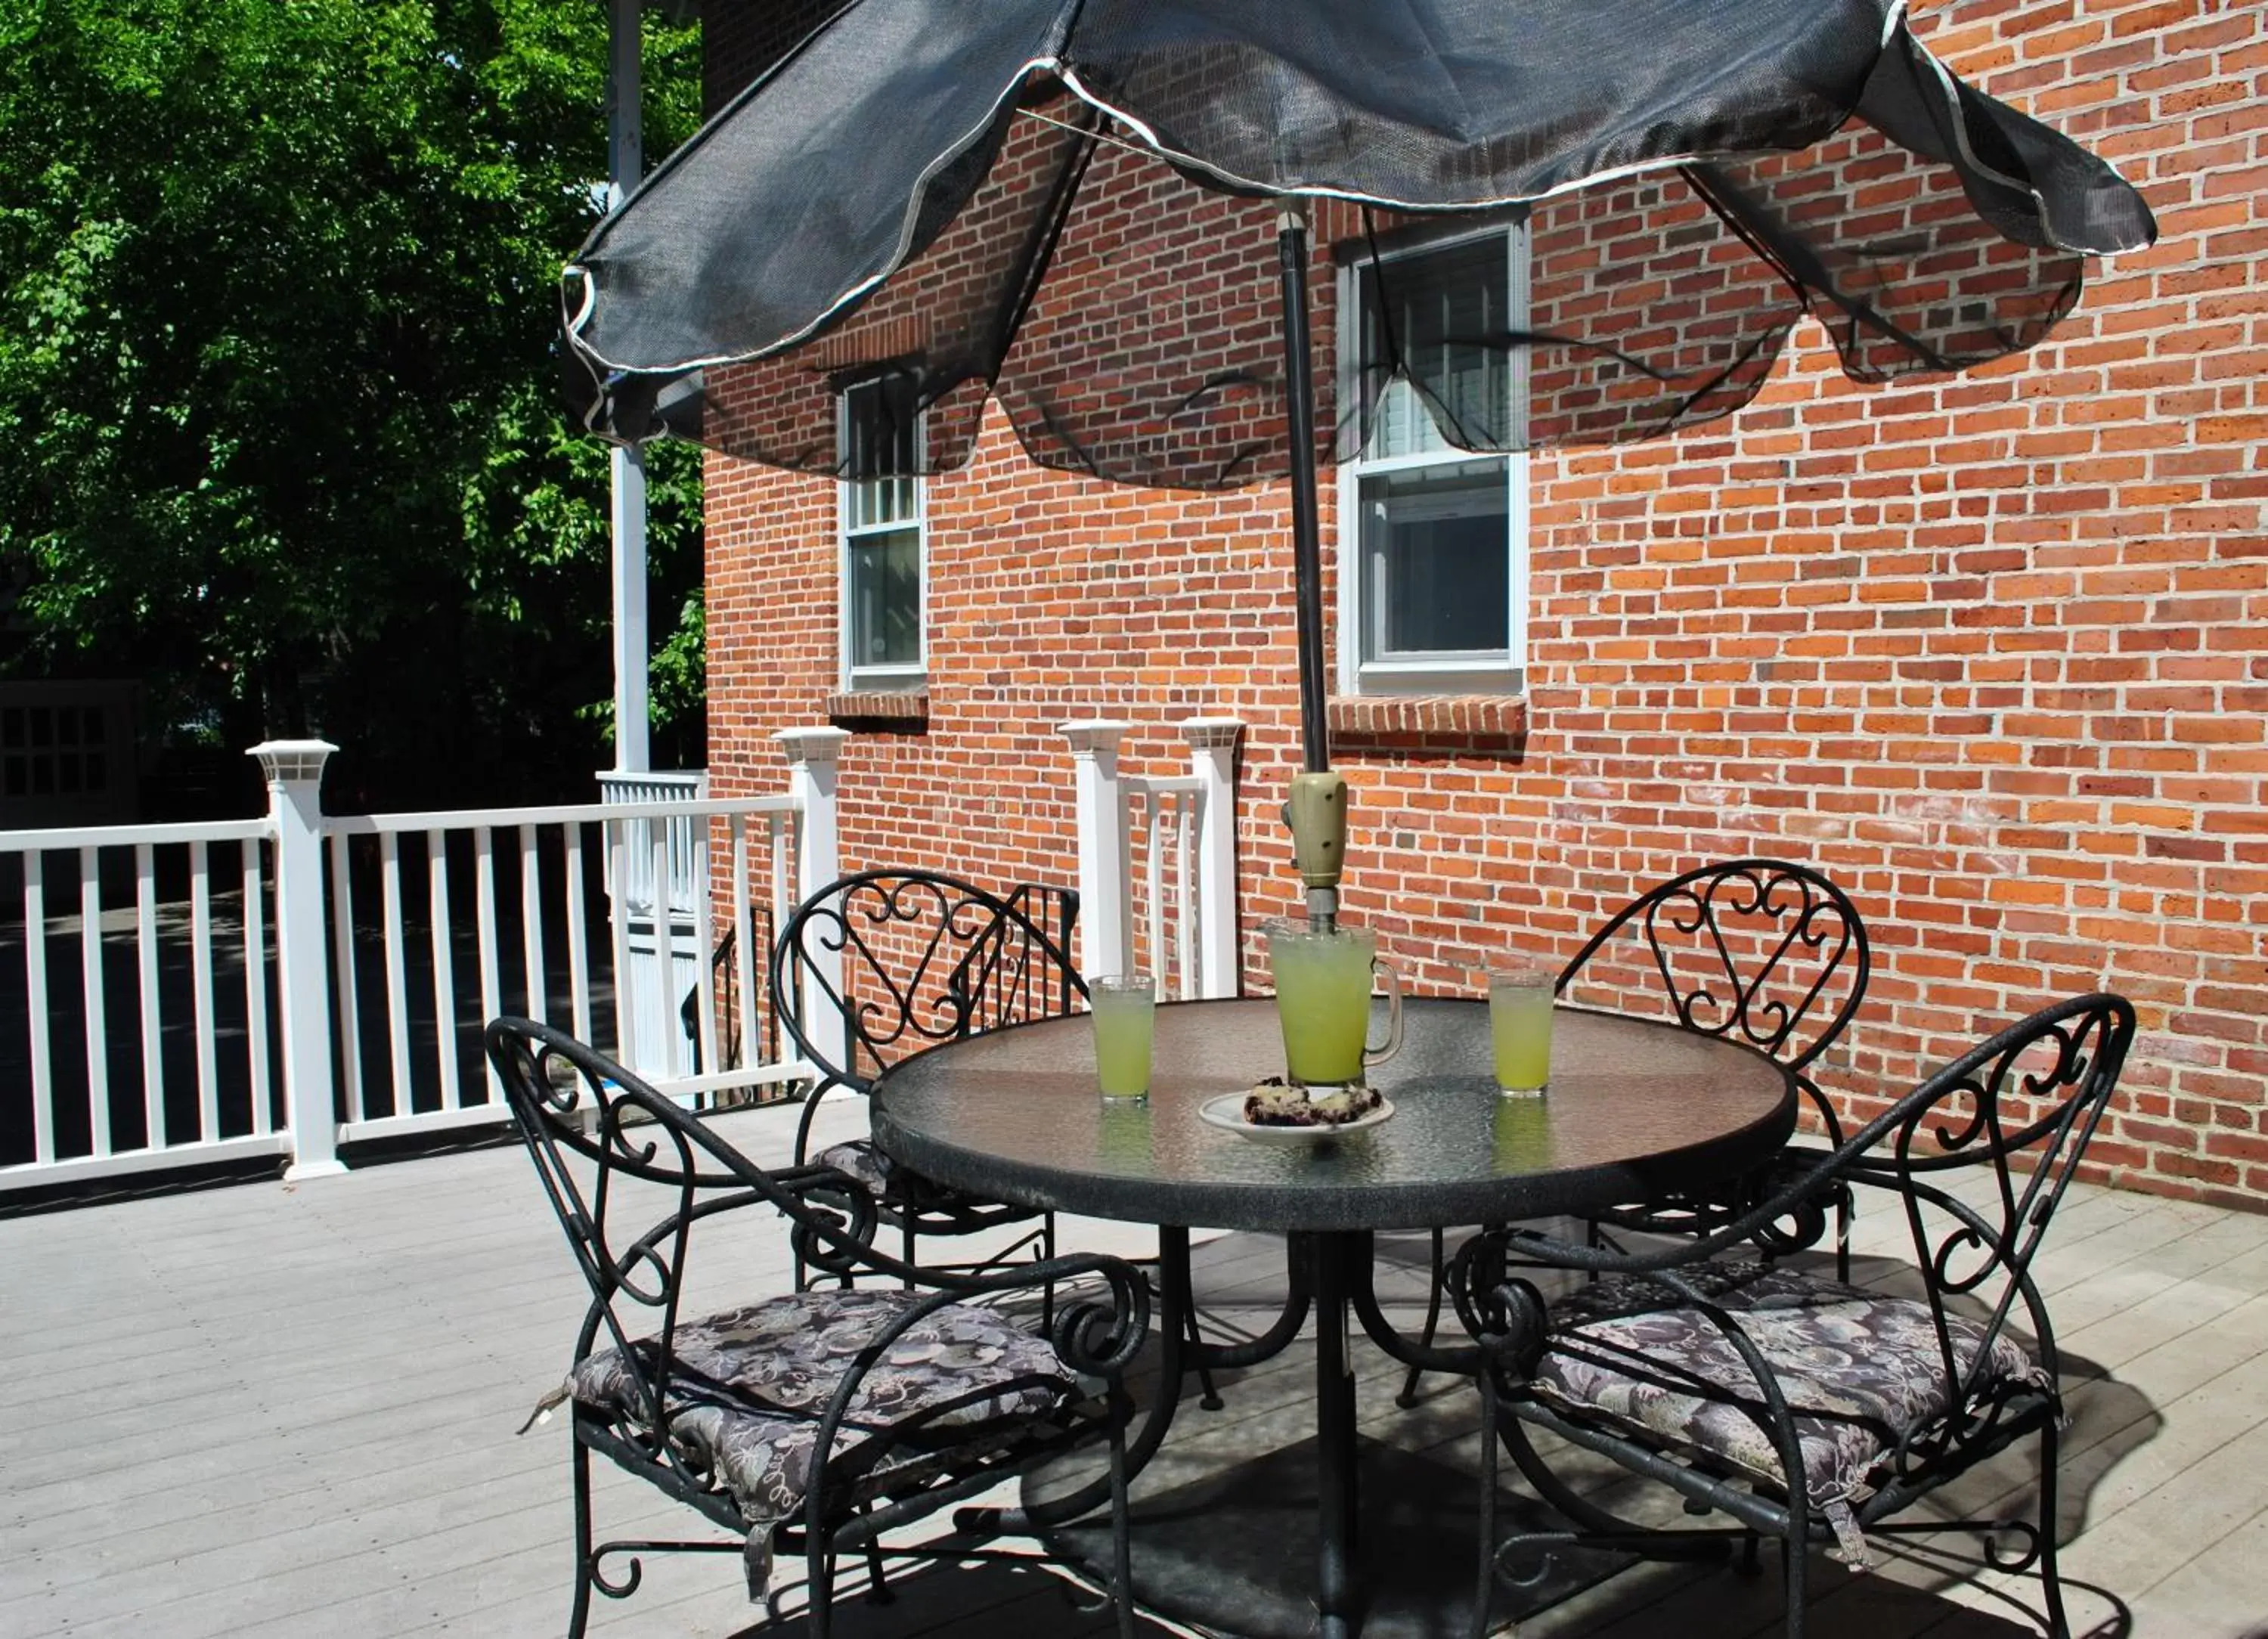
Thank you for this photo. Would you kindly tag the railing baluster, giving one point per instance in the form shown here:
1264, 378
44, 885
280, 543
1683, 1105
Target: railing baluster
397, 972
787, 894
200, 991
342, 941
485, 917
255, 989
664, 944
153, 1024
444, 975
1153, 816
786, 891
35, 983
744, 941
579, 936
531, 919
1185, 899
704, 970
98, 1031
618, 859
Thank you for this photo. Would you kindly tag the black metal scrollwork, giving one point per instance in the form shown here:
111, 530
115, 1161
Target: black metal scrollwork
1505, 1313
924, 958
1101, 1339
1748, 946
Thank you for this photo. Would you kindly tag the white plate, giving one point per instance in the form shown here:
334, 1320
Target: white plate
1228, 1114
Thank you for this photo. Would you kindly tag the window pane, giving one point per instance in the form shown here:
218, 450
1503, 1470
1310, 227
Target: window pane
881, 424
885, 594
1441, 316
1437, 566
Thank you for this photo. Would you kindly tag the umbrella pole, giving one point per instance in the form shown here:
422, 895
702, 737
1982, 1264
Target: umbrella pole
1317, 811
1307, 552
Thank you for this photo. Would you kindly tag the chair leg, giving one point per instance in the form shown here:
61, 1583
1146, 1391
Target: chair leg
1047, 1291
1486, 1584
878, 1590
1122, 1529
819, 1584
1795, 1560
579, 1465
1845, 1206
1408, 1398
2051, 1579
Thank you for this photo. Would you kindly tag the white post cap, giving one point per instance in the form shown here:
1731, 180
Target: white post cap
282, 760
1091, 734
812, 745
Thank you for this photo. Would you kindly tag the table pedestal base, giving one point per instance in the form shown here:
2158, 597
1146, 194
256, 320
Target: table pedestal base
1235, 1553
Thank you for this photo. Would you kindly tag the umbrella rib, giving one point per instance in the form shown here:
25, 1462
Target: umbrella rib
1796, 263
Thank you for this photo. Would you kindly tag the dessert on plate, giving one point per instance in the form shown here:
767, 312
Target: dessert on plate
1276, 1102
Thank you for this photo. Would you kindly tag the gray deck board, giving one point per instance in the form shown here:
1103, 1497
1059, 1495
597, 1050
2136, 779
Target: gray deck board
259, 1411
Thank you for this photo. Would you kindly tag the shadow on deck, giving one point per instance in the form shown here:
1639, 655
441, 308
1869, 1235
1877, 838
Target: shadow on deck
261, 1411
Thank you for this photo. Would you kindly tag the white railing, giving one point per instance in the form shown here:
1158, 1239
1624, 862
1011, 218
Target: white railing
675, 865
1163, 815
526, 921
1177, 916
284, 984
147, 1035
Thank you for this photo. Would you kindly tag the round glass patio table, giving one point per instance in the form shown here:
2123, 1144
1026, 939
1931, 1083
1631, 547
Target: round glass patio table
1636, 1108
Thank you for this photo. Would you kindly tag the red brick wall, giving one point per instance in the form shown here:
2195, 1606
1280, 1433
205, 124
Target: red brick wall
1991, 651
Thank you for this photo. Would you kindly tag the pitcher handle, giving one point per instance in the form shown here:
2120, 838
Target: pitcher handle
1379, 1055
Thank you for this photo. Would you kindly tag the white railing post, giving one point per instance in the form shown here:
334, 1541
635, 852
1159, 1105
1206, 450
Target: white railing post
1213, 759
1106, 931
294, 768
813, 759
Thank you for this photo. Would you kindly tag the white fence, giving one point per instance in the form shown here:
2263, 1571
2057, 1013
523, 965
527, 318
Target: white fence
1175, 916
192, 996
282, 984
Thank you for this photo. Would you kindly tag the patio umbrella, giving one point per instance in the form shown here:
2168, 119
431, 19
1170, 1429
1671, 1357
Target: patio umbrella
1097, 213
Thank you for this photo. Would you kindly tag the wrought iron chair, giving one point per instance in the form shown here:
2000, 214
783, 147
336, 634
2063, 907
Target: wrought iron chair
923, 958
1763, 952
811, 1422
1722, 1377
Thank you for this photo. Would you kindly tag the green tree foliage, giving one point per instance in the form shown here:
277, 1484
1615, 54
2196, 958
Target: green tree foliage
277, 393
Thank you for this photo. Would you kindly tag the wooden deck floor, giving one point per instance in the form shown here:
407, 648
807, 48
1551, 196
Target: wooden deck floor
256, 1411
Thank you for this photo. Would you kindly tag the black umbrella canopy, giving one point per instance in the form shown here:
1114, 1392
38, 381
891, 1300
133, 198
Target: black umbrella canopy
1072, 206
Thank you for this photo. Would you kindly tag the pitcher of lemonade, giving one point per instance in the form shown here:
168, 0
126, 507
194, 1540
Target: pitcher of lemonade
1322, 1001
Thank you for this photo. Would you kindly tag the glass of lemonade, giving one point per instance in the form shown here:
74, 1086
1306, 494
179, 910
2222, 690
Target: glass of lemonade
1125, 1018
1520, 1025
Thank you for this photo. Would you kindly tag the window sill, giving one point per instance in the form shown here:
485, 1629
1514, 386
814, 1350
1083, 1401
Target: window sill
1484, 724
881, 711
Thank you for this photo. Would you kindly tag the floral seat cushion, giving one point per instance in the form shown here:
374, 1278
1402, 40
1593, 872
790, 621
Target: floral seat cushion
747, 1387
1861, 1370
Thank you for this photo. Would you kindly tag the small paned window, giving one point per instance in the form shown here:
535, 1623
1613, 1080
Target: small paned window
1433, 560
882, 507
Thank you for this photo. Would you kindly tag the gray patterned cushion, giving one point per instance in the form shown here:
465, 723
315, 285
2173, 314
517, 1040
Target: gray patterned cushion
747, 1387
1860, 1370
885, 1180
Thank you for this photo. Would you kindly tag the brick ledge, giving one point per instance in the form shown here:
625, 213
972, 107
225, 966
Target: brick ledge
880, 708
1429, 722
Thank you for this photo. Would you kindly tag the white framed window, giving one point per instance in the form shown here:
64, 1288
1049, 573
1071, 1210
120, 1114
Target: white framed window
882, 504
1432, 539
